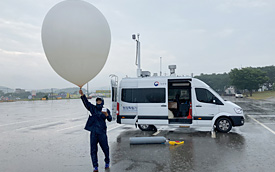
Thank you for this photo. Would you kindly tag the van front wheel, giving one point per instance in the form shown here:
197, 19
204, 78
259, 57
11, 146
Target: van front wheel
223, 125
146, 127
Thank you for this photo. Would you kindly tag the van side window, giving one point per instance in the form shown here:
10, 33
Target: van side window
205, 96
143, 95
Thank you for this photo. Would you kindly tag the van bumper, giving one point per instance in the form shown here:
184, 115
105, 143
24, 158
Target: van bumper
237, 120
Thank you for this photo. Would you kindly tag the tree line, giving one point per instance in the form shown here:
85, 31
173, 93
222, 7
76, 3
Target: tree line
39, 95
247, 79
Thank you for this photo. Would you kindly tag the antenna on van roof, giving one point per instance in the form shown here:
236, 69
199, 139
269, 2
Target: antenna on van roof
136, 37
172, 69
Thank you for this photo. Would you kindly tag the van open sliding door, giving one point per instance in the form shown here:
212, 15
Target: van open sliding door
179, 101
151, 98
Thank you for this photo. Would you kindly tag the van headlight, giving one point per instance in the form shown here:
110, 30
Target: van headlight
238, 110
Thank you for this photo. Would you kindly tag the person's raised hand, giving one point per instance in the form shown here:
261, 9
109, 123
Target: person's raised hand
81, 92
105, 113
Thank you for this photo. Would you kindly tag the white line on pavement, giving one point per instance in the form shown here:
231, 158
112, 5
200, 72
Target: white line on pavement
265, 116
70, 127
55, 122
156, 133
19, 122
35, 120
110, 129
268, 123
262, 124
33, 126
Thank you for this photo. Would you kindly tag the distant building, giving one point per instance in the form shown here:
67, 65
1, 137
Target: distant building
262, 88
33, 93
102, 93
19, 90
62, 95
230, 90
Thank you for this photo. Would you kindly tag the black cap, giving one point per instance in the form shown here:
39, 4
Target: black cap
98, 98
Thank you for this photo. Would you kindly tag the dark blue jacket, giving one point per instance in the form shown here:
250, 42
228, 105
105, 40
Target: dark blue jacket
96, 121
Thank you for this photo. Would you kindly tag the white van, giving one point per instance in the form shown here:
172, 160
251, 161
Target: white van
172, 100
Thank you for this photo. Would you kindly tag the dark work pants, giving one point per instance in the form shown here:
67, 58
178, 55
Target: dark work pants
103, 142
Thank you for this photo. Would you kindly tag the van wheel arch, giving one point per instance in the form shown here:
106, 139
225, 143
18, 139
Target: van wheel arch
223, 124
147, 127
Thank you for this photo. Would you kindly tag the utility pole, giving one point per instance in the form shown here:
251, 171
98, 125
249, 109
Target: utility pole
87, 89
160, 73
52, 93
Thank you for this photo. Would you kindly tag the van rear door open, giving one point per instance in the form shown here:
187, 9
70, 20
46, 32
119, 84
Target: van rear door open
114, 85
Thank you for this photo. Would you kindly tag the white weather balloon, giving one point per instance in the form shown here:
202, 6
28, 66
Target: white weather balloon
76, 39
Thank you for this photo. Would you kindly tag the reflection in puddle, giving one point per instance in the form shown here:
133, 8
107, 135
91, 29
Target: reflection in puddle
199, 151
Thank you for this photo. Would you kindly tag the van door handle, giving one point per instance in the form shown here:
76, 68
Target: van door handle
198, 105
163, 105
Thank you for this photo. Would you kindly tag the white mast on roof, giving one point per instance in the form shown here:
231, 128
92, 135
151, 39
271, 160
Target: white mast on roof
160, 71
136, 37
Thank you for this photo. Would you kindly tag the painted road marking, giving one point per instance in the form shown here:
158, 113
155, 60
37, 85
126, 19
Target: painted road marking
266, 123
19, 122
36, 120
110, 129
262, 124
265, 116
39, 125
48, 123
70, 127
156, 133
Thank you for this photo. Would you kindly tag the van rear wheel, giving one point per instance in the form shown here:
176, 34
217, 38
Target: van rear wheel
146, 127
223, 125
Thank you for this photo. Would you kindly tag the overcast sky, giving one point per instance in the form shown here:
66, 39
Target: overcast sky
201, 36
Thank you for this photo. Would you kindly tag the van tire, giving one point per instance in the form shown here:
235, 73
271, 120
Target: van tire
146, 127
223, 125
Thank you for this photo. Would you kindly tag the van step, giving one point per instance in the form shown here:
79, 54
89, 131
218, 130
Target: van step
183, 126
180, 121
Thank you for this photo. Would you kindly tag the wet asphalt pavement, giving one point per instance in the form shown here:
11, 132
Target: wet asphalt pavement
48, 136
